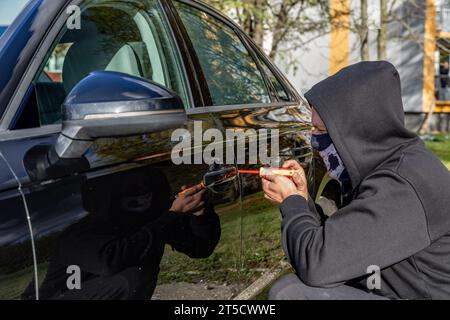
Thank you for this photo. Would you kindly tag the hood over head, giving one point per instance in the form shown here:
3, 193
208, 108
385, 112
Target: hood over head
362, 109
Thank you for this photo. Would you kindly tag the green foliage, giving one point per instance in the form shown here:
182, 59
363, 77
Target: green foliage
441, 147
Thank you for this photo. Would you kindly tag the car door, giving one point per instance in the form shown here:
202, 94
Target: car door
16, 252
72, 209
250, 100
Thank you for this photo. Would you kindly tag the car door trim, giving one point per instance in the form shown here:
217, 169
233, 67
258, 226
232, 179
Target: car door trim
190, 57
269, 86
290, 90
216, 109
195, 94
9, 135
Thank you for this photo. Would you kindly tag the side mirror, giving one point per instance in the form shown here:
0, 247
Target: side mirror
114, 104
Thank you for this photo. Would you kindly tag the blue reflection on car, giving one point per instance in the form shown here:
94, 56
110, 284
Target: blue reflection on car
10, 9
2, 29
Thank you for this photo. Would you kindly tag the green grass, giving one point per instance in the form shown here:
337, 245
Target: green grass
441, 147
14, 284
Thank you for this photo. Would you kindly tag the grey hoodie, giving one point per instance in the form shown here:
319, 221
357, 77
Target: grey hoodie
399, 216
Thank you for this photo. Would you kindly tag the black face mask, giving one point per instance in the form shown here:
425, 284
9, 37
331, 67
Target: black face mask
335, 166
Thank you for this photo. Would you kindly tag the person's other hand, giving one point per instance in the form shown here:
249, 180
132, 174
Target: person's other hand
278, 188
190, 201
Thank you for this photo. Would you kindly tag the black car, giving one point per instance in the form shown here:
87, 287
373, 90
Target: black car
91, 92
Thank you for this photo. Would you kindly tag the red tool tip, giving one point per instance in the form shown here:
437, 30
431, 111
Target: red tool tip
249, 171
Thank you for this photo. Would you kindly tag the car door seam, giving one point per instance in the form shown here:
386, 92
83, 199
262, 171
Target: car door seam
30, 229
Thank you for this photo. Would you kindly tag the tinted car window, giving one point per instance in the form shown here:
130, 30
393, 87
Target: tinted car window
118, 36
279, 88
230, 71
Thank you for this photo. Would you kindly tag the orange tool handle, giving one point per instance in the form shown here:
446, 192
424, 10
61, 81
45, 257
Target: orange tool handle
269, 171
182, 193
276, 171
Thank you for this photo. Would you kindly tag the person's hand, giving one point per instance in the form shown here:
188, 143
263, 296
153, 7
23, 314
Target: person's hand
278, 188
190, 201
299, 177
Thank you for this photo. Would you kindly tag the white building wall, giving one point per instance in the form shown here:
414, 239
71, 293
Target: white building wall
312, 64
404, 52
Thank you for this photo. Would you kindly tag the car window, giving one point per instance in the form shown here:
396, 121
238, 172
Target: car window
121, 36
279, 88
232, 75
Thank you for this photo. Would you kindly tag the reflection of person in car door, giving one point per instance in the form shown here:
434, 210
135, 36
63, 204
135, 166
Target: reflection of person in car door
119, 246
397, 219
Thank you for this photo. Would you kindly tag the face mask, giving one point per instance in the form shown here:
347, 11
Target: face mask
335, 166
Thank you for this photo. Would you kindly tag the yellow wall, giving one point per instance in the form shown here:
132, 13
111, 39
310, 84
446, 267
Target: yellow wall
339, 36
429, 49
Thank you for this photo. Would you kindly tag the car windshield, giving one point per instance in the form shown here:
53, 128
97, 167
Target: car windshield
9, 10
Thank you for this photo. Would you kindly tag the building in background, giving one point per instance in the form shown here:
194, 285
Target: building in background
417, 42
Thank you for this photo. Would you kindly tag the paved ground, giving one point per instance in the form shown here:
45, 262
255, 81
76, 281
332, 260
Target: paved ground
194, 291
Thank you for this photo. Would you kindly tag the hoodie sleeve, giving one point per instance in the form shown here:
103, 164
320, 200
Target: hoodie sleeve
98, 250
194, 236
385, 224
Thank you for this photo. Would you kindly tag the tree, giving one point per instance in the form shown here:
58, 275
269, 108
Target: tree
383, 30
364, 31
360, 26
283, 24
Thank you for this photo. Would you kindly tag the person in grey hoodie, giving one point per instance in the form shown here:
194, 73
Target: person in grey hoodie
396, 225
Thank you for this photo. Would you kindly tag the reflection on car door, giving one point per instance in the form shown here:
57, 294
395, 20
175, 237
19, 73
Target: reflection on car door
16, 254
212, 277
248, 97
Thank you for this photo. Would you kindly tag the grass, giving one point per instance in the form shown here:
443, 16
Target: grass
440, 145
13, 285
